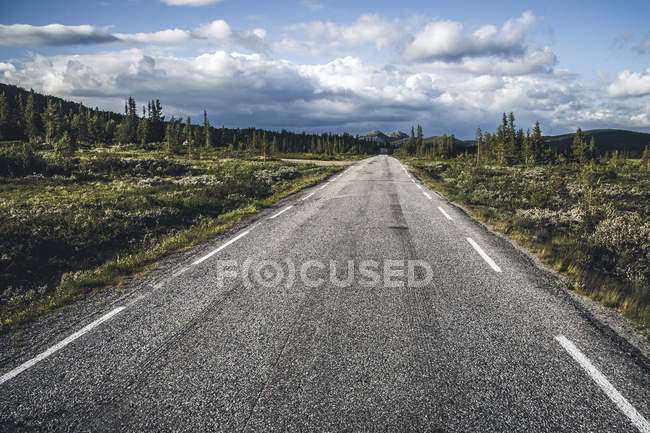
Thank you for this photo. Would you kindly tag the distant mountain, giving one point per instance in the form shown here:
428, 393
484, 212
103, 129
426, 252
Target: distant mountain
607, 140
397, 135
381, 138
376, 136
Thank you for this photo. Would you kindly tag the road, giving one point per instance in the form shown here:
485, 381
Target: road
489, 343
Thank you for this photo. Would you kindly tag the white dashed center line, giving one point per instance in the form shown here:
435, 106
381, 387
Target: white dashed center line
305, 198
637, 419
485, 256
207, 256
444, 213
427, 195
281, 212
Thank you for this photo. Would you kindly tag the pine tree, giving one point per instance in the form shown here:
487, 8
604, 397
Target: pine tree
411, 145
420, 141
528, 149
538, 144
592, 148
207, 135
127, 130
110, 131
645, 159
579, 147
187, 136
264, 145
171, 136
144, 130
31, 123
502, 139
66, 145
274, 145
479, 144
156, 120
51, 121
510, 146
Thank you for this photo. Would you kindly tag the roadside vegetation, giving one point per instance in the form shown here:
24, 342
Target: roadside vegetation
89, 197
584, 212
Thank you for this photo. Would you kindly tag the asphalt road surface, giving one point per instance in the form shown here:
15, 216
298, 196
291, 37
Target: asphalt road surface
233, 338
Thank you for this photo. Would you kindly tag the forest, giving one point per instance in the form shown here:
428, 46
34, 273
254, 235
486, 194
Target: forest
64, 126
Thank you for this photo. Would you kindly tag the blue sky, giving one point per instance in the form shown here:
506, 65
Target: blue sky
325, 65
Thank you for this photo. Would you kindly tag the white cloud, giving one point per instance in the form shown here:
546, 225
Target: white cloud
255, 89
218, 29
448, 40
25, 35
471, 78
190, 2
7, 67
629, 84
325, 37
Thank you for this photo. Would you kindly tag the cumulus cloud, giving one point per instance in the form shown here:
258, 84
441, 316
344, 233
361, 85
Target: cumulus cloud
324, 37
630, 84
25, 35
218, 29
448, 40
190, 2
464, 79
345, 93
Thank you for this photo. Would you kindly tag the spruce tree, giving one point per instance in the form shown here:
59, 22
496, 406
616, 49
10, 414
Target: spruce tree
420, 141
592, 148
144, 131
538, 144
579, 148
528, 150
479, 144
645, 159
51, 121
207, 135
31, 123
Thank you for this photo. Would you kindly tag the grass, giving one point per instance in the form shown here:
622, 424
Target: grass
80, 224
591, 223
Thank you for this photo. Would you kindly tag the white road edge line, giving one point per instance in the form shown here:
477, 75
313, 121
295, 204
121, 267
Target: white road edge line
637, 419
418, 185
305, 198
444, 213
485, 256
428, 196
60, 345
281, 212
207, 256
323, 186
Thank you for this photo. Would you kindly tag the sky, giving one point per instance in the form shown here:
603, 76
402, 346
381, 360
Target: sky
342, 66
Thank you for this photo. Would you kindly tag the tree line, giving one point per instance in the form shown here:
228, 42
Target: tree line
35, 118
510, 146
